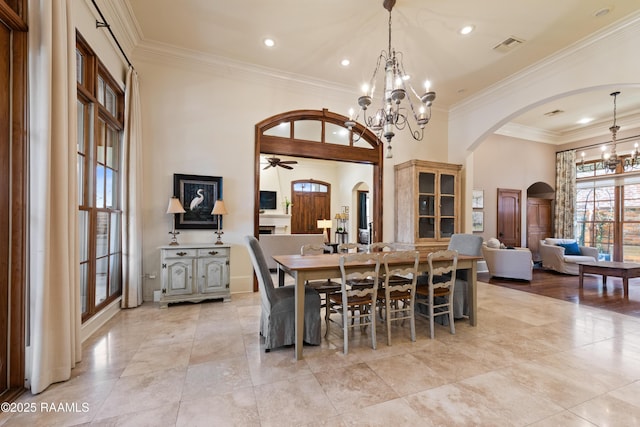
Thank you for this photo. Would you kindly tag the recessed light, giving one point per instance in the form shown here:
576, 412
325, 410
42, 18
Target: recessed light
345, 62
585, 120
269, 42
467, 29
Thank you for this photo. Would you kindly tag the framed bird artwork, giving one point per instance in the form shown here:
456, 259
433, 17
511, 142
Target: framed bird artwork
198, 195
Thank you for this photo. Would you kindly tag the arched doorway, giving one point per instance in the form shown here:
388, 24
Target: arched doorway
320, 134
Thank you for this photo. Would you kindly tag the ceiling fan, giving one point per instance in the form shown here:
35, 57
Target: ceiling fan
274, 161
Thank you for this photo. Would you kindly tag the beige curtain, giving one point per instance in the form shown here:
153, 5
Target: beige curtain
132, 196
565, 194
54, 286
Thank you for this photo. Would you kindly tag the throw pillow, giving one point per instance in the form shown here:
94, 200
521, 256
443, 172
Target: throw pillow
493, 243
570, 248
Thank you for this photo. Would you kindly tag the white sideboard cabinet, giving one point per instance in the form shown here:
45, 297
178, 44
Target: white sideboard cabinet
194, 272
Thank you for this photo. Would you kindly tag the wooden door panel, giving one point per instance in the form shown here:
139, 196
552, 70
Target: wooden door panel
538, 224
308, 207
509, 216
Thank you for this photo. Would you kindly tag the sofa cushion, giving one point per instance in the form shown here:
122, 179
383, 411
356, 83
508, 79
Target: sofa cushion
554, 241
578, 258
571, 248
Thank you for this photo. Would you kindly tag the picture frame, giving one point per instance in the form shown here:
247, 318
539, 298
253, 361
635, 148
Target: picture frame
477, 221
198, 194
477, 199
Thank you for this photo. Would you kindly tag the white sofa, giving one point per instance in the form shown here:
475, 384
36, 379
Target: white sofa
285, 244
514, 263
554, 258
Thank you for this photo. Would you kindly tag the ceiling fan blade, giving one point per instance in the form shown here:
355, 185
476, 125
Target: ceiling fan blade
266, 167
289, 162
285, 166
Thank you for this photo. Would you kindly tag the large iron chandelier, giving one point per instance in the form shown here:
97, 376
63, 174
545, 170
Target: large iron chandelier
611, 160
392, 115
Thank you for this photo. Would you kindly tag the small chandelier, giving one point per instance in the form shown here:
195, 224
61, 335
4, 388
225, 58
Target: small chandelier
611, 160
392, 114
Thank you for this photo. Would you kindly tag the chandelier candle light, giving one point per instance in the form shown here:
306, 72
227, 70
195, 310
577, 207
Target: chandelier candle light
397, 87
611, 160
219, 209
175, 207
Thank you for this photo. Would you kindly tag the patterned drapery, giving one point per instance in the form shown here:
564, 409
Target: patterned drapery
565, 194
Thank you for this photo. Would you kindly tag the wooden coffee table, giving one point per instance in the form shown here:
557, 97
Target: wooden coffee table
625, 270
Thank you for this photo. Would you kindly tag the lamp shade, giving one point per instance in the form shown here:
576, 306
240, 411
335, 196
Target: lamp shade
324, 223
219, 208
175, 206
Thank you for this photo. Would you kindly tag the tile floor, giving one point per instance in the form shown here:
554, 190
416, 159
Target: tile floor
531, 361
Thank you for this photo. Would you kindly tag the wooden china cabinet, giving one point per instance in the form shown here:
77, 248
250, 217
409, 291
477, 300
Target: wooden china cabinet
428, 203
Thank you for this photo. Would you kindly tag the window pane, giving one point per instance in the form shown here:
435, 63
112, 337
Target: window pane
102, 234
81, 180
100, 143
632, 202
283, 130
631, 244
100, 90
115, 233
102, 266
81, 126
604, 204
100, 172
110, 101
112, 149
79, 67
335, 134
83, 235
83, 287
109, 190
115, 275
310, 130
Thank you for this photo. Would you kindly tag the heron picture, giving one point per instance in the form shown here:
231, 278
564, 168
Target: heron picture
198, 194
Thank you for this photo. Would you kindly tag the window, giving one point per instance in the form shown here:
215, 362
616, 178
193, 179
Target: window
608, 212
100, 123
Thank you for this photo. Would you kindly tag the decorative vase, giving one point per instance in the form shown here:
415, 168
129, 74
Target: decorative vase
286, 210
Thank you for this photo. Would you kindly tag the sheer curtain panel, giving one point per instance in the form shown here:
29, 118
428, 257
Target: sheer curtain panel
54, 288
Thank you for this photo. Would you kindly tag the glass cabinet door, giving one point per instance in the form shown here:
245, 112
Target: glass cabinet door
426, 205
447, 205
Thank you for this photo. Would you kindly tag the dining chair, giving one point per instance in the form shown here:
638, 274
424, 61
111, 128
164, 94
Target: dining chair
437, 296
277, 321
323, 287
358, 303
351, 248
398, 296
381, 247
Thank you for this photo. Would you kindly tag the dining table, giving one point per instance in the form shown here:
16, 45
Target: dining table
326, 266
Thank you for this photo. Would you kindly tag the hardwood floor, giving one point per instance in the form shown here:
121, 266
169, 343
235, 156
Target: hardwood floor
565, 287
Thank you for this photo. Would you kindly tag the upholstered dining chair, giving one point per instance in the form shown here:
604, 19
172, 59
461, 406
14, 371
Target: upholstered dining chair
277, 321
464, 244
437, 296
323, 287
358, 303
398, 296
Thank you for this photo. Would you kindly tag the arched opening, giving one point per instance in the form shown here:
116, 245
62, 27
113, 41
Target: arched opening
540, 197
320, 134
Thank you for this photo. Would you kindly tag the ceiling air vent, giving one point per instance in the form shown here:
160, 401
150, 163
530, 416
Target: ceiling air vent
553, 113
508, 44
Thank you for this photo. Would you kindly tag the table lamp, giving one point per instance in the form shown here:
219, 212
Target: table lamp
219, 209
175, 207
324, 224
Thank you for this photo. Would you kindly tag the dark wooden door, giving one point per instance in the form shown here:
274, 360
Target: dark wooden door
309, 205
509, 217
5, 180
538, 223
